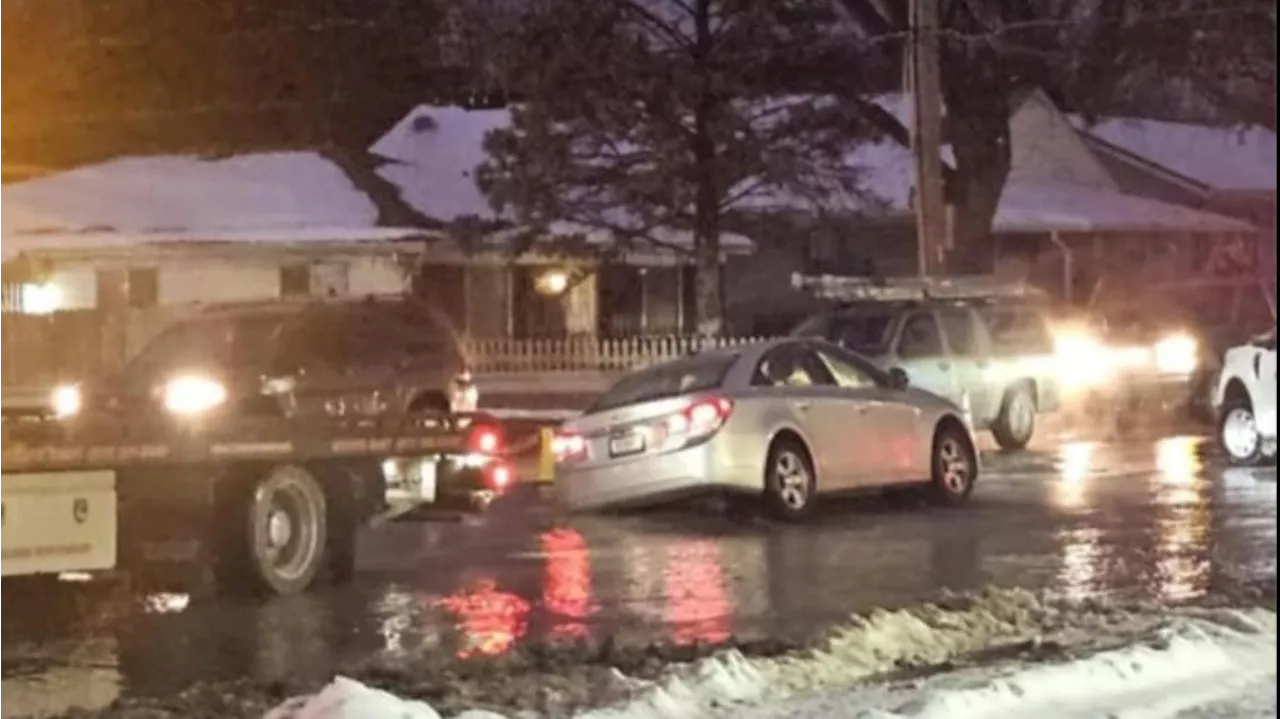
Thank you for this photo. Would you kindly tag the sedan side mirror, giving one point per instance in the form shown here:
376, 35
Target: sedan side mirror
898, 378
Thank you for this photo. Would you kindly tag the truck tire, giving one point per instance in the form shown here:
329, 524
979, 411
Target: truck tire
276, 533
1016, 422
1238, 435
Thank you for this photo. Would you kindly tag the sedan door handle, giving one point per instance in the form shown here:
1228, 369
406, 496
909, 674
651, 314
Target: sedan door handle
944, 365
800, 406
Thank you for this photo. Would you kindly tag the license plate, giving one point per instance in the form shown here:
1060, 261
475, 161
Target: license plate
58, 522
626, 444
412, 481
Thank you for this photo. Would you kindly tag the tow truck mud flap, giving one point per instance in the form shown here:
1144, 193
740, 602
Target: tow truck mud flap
58, 522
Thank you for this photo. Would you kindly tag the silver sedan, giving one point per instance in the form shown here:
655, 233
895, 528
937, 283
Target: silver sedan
787, 419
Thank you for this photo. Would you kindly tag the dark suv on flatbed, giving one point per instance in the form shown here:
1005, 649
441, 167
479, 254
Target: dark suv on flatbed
331, 359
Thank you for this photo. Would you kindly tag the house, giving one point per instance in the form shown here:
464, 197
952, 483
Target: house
1070, 209
141, 241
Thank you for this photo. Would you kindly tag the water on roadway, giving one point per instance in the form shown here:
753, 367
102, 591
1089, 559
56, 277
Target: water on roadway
1151, 520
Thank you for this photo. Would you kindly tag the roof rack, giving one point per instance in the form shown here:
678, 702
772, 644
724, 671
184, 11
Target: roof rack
906, 289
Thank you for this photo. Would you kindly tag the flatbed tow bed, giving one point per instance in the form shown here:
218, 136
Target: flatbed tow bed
266, 503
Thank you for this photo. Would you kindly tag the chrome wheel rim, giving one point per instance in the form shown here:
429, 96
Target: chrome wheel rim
954, 466
288, 534
792, 476
1240, 433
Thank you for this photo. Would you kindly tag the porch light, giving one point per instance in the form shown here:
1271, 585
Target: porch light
552, 282
41, 299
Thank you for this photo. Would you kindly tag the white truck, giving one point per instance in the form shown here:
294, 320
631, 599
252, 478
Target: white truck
1244, 399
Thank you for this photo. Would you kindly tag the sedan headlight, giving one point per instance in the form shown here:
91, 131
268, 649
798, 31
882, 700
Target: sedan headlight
1177, 354
193, 395
66, 401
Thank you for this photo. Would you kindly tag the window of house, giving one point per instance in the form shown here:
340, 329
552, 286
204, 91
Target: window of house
143, 287
295, 280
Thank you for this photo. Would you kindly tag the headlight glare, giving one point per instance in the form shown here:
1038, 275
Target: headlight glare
193, 395
66, 400
1177, 354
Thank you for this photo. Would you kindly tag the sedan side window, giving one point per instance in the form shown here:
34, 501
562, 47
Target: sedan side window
920, 337
791, 366
848, 374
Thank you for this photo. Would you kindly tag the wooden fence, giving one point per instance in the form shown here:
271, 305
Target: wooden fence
578, 354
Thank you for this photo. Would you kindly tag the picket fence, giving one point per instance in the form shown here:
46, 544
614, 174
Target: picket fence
590, 354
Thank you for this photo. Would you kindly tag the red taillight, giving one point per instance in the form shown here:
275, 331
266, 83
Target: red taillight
499, 476
485, 440
568, 446
700, 419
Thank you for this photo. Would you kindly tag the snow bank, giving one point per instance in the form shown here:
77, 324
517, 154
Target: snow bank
1127, 665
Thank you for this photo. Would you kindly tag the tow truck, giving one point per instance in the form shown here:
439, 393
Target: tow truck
269, 505
260, 471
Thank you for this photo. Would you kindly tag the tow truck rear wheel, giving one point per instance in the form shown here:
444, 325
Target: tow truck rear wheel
276, 533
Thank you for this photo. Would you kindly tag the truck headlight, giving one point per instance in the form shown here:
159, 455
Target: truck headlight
193, 394
1177, 354
66, 401
1082, 360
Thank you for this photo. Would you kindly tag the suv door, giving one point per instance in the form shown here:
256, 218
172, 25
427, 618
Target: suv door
919, 350
970, 363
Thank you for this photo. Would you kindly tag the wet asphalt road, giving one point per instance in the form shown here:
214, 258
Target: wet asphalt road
1154, 519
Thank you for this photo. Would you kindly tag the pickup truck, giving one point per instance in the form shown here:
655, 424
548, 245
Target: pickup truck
991, 355
1244, 399
258, 438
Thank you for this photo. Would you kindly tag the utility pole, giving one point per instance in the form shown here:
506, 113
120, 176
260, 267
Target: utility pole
925, 86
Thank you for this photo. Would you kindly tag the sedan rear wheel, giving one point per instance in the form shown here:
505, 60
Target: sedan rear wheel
790, 484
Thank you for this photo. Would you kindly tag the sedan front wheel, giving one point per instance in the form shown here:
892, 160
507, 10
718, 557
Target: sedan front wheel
955, 465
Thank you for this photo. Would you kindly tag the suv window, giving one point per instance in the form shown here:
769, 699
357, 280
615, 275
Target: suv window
862, 331
920, 337
225, 341
1018, 330
791, 366
357, 334
957, 324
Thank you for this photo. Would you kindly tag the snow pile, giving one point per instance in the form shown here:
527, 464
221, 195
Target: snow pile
1220, 664
996, 622
932, 635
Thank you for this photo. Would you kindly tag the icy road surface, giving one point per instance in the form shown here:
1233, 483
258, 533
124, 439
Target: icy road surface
1157, 520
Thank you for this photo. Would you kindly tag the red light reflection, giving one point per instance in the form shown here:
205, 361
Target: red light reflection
567, 590
697, 607
491, 620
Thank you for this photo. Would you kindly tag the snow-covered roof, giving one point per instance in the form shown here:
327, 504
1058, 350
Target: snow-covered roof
434, 153
1027, 207
1224, 158
261, 191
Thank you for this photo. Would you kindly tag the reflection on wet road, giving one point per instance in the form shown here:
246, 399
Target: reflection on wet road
1149, 521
